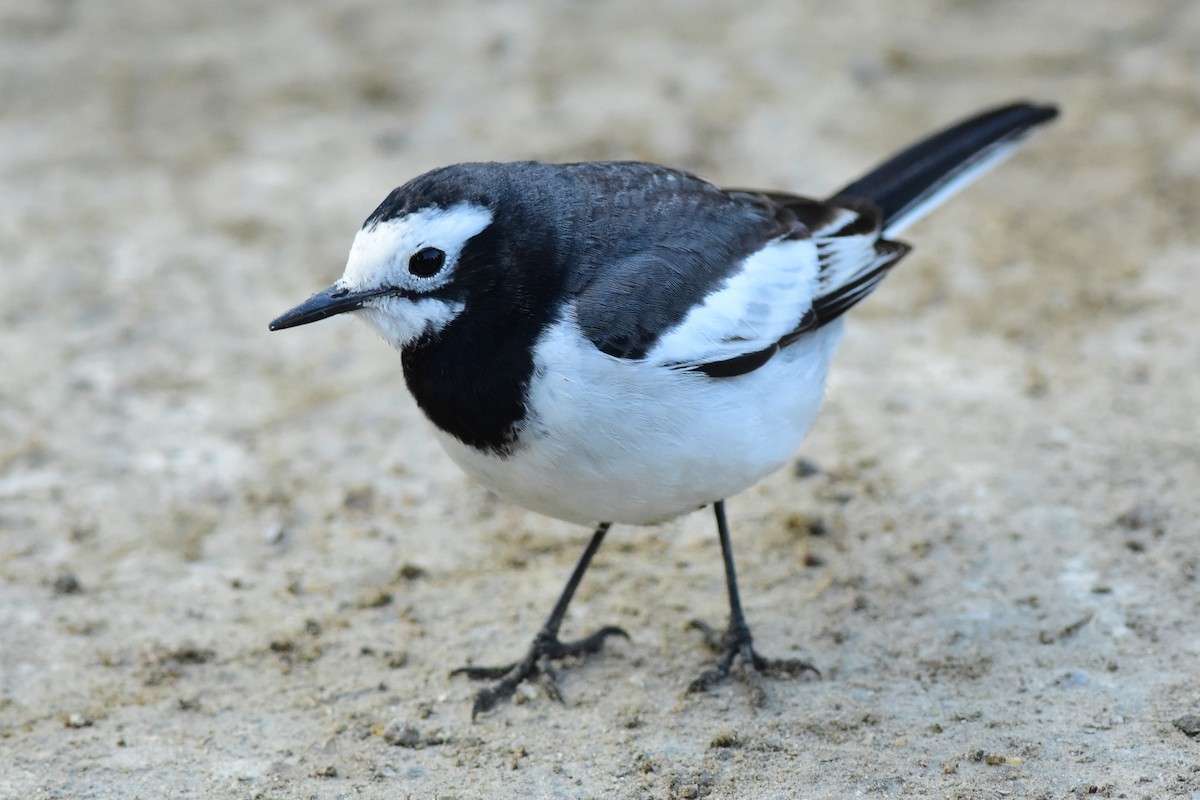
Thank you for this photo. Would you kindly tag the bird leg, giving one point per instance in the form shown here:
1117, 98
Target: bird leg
546, 647
736, 640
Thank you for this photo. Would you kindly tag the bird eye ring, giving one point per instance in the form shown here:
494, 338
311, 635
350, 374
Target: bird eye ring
426, 262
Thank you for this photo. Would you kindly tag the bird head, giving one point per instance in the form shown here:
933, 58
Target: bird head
421, 255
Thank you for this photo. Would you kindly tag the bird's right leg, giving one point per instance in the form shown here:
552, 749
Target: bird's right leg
546, 646
736, 642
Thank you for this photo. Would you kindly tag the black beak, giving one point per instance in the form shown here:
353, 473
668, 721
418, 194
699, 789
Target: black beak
334, 300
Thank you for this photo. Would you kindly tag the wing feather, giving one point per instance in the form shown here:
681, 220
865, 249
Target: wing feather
716, 281
750, 311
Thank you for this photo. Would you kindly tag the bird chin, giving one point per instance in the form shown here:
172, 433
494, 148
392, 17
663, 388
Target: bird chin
401, 321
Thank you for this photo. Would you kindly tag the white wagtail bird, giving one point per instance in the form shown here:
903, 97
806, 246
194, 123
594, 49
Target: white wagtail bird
623, 342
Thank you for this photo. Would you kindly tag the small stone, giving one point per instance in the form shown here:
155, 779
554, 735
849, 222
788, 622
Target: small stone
374, 598
803, 525
1075, 677
359, 499
411, 572
803, 468
401, 734
995, 760
67, 584
725, 739
1189, 724
1139, 517
273, 533
190, 653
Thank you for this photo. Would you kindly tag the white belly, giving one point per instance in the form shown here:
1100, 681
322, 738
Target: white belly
634, 443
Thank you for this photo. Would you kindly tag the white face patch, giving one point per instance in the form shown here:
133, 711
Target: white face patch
380, 253
401, 321
379, 259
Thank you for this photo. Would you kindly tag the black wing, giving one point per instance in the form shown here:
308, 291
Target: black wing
696, 238
658, 244
653, 243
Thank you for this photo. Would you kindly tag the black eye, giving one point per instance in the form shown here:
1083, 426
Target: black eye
426, 262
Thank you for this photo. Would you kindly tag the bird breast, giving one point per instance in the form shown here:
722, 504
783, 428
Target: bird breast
625, 441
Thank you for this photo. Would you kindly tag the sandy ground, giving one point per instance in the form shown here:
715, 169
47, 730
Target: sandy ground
235, 563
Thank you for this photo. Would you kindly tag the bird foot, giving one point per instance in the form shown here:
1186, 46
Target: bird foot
734, 643
537, 665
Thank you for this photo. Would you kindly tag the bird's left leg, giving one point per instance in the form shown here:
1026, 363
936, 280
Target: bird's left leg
736, 642
546, 646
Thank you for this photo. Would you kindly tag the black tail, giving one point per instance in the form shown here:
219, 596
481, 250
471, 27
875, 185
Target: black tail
914, 181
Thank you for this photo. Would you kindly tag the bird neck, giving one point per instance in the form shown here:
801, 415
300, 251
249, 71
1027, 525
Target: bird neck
471, 378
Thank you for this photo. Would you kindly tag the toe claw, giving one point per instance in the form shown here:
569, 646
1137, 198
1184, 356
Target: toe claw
595, 642
734, 644
752, 680
784, 667
537, 665
548, 679
714, 638
483, 673
485, 701
706, 681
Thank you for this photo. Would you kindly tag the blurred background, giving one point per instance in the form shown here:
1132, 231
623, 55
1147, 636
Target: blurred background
235, 562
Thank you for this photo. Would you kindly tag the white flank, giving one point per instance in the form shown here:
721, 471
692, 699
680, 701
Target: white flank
638, 443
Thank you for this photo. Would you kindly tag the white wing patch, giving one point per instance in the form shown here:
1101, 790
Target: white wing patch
751, 311
844, 259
